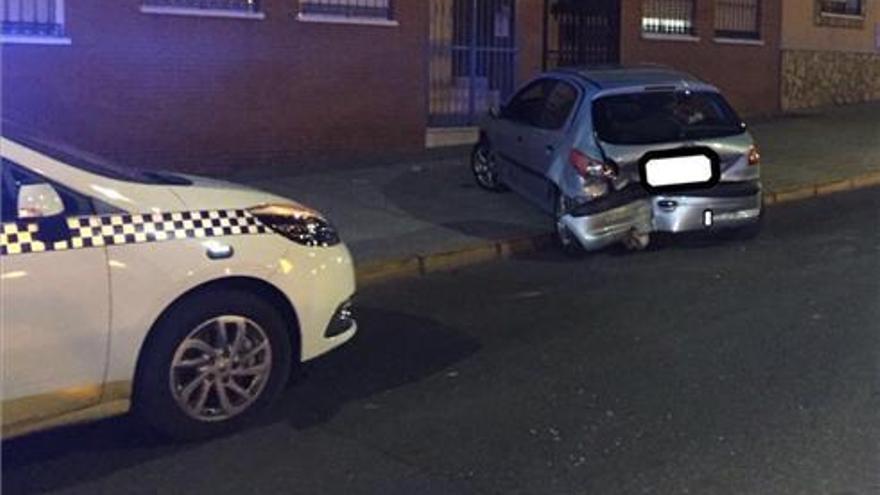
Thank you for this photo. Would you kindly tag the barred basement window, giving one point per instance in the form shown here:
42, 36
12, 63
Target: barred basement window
740, 19
672, 17
232, 6
350, 9
32, 18
842, 7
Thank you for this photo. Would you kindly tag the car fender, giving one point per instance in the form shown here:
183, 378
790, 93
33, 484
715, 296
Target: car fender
146, 280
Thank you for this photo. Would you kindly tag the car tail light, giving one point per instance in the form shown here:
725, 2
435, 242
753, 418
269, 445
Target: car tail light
754, 156
587, 166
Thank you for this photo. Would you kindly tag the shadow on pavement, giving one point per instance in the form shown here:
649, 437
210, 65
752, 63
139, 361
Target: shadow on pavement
463, 207
391, 350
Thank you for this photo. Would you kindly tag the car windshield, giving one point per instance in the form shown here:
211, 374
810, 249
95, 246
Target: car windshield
657, 117
89, 161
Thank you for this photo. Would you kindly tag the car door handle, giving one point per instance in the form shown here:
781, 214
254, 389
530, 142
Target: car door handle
549, 149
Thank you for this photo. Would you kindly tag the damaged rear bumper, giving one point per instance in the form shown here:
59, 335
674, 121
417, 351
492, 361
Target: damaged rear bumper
613, 219
598, 230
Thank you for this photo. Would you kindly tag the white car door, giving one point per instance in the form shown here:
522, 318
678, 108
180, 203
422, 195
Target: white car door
55, 302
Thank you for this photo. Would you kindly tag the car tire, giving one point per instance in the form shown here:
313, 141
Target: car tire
484, 167
564, 237
192, 384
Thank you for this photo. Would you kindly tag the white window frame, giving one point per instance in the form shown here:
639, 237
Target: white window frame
196, 10
332, 18
36, 38
740, 36
825, 13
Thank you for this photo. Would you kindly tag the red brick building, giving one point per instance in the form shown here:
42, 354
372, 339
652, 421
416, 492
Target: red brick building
219, 82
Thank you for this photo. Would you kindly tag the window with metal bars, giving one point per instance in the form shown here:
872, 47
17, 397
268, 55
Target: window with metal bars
669, 17
842, 7
370, 9
252, 6
32, 18
738, 19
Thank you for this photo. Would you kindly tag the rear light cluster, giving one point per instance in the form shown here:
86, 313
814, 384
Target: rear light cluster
589, 167
754, 156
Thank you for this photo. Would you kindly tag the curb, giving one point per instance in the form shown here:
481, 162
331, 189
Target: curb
424, 264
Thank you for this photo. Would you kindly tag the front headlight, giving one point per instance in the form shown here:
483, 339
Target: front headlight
298, 223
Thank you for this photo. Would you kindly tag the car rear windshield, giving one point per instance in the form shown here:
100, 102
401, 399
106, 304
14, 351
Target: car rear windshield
664, 116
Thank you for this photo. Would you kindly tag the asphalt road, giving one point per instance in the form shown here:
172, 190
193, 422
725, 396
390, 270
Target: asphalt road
695, 367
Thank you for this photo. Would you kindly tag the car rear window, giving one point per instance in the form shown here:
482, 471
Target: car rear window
664, 116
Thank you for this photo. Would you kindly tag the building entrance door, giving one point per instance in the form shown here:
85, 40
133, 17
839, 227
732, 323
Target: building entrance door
472, 59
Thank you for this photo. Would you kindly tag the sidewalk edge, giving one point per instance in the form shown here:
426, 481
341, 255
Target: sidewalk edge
423, 264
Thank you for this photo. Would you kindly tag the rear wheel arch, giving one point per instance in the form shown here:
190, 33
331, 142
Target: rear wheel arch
261, 288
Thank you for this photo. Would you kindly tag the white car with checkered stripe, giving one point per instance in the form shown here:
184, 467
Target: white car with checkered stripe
185, 300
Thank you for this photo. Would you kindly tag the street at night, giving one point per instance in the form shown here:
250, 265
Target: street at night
440, 247
697, 366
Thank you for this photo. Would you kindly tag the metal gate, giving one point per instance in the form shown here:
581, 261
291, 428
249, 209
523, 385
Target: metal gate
473, 58
581, 32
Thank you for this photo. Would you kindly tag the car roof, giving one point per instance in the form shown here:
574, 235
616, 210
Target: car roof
619, 76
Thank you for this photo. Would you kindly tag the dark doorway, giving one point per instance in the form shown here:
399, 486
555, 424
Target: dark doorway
581, 32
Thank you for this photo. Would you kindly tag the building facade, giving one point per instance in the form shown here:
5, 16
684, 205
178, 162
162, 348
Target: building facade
220, 83
830, 52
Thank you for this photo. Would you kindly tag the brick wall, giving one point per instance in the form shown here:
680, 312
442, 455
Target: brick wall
530, 25
747, 74
202, 93
199, 92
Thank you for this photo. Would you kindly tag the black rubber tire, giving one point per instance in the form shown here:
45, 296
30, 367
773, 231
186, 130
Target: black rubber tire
567, 243
493, 186
154, 404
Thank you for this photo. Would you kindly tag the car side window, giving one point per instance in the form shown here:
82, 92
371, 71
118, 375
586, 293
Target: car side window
527, 106
13, 176
558, 106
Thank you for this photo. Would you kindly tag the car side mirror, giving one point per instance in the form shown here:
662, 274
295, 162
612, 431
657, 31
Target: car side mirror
39, 201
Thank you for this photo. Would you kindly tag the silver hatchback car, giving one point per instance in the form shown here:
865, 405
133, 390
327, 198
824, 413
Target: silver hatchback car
618, 153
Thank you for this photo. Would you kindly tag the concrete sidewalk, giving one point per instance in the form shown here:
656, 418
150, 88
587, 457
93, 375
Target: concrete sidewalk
420, 214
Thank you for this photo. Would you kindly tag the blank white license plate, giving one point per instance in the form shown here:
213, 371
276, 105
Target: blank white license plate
694, 169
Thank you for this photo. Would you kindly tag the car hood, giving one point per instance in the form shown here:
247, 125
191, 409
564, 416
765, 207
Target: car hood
211, 194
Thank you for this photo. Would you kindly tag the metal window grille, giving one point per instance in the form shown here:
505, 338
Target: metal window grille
374, 9
32, 17
473, 50
668, 17
841, 7
738, 19
235, 5
581, 33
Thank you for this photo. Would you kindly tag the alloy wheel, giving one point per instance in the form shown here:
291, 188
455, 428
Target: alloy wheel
220, 369
484, 167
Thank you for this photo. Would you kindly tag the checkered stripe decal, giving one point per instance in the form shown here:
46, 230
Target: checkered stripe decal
111, 230
15, 239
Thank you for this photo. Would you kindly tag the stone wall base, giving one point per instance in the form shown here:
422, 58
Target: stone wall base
818, 78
